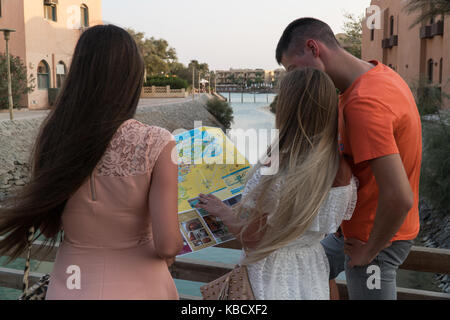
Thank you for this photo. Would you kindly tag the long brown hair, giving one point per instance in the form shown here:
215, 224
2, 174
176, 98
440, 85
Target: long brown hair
307, 120
101, 91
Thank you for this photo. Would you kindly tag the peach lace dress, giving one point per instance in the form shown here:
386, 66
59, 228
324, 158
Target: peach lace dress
107, 225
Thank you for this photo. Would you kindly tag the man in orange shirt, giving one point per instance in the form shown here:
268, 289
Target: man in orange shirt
381, 137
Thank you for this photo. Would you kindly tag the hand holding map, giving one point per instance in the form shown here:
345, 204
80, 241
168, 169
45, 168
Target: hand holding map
205, 168
213, 205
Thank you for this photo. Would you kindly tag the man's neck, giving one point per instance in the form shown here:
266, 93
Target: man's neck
344, 69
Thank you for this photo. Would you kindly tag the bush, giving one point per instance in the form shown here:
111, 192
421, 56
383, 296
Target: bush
222, 111
435, 174
162, 81
20, 84
428, 96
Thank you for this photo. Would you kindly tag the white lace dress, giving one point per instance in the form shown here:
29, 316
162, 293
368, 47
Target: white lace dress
300, 270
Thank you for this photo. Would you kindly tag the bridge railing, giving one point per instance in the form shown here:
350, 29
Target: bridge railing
420, 259
163, 92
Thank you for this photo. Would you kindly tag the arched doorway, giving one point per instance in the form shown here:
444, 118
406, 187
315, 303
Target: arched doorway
43, 75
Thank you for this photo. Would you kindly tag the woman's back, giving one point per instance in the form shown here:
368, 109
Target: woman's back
108, 228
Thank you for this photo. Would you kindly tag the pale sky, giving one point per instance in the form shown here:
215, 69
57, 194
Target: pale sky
228, 33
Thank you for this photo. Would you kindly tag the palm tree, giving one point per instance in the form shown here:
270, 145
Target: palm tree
259, 79
427, 9
231, 78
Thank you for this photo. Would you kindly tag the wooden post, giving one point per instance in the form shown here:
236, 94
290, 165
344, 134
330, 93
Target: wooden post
209, 84
7, 33
193, 82
8, 66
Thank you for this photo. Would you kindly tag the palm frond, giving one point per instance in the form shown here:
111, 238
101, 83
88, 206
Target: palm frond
427, 9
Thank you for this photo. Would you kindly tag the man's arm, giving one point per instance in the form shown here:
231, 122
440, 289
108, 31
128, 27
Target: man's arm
395, 200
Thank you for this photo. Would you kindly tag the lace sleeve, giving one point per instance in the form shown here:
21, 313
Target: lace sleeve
158, 138
339, 205
133, 150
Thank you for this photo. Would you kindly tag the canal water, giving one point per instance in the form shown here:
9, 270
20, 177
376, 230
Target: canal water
250, 112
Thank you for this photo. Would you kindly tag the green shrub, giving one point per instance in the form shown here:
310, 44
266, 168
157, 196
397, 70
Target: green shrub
222, 111
428, 96
162, 81
435, 174
20, 83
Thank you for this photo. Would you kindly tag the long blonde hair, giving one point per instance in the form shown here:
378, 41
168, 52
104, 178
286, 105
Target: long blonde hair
307, 120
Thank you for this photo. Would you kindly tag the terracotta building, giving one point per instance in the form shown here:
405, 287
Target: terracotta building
419, 52
46, 34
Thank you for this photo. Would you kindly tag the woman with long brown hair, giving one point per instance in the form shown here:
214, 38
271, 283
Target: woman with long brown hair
107, 180
282, 218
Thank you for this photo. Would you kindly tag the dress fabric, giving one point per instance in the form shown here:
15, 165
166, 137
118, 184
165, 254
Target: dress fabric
300, 270
107, 226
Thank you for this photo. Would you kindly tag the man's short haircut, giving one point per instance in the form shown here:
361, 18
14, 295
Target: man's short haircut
300, 30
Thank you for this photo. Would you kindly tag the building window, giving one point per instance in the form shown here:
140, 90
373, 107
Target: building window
392, 26
440, 70
61, 71
84, 16
43, 75
430, 70
372, 31
50, 10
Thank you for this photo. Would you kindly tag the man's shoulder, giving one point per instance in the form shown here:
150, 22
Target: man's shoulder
384, 89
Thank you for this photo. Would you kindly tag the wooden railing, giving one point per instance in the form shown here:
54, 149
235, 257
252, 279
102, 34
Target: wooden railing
420, 259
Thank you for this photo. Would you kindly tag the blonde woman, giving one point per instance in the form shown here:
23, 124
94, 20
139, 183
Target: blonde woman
282, 218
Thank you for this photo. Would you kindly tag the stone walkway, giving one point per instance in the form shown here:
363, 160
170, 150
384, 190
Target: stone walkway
26, 114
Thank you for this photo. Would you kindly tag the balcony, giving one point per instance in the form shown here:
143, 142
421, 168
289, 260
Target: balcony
425, 32
437, 29
393, 41
390, 42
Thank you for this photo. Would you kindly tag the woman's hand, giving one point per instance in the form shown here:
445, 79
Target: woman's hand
213, 205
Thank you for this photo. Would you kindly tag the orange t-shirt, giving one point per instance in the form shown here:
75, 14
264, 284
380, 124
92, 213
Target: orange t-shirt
379, 117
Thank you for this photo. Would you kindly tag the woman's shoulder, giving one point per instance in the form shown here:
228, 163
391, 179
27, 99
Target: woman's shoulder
133, 149
149, 133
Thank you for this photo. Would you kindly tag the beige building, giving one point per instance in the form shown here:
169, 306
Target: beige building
225, 77
422, 51
46, 34
260, 77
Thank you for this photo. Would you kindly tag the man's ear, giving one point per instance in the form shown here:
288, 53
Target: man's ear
313, 46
